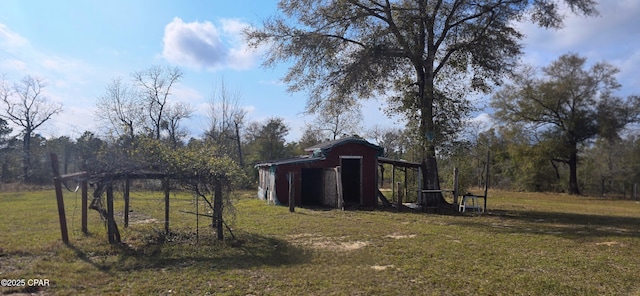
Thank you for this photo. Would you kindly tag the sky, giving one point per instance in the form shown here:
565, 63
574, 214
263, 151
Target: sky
78, 47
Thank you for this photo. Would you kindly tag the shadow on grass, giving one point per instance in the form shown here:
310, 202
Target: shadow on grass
567, 225
181, 251
82, 255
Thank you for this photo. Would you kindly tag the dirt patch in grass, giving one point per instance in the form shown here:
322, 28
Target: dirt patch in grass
15, 263
400, 236
145, 221
382, 267
326, 243
136, 217
609, 244
349, 246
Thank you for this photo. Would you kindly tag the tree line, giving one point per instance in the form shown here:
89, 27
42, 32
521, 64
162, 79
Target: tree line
544, 129
555, 124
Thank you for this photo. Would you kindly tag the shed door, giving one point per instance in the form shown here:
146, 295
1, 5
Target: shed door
312, 186
351, 171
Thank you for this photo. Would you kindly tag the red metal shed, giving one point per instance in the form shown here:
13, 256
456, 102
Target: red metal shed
339, 173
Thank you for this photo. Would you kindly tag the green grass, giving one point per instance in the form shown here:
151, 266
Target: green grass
527, 244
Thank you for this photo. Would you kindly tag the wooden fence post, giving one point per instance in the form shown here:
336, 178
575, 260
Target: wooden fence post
399, 205
292, 201
110, 220
420, 195
127, 186
393, 180
166, 205
197, 217
487, 179
85, 206
406, 185
455, 186
58, 184
217, 209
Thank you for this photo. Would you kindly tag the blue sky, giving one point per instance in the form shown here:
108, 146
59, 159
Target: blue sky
79, 46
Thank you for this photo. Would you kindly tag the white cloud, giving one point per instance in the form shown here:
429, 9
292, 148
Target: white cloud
11, 39
483, 121
249, 109
630, 73
617, 21
184, 93
19, 58
65, 78
613, 37
12, 49
614, 32
13, 64
73, 121
276, 82
203, 45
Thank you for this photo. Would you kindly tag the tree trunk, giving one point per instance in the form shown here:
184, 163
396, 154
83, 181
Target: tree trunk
573, 172
240, 158
26, 155
426, 93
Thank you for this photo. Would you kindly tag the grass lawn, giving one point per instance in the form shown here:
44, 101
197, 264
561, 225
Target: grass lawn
527, 244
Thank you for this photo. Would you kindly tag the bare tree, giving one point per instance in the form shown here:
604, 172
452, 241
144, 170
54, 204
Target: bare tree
226, 120
238, 121
27, 107
176, 113
121, 109
311, 136
155, 86
389, 138
339, 118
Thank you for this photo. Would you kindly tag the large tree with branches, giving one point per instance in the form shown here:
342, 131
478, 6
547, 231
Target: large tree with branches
26, 106
426, 56
121, 109
569, 105
155, 85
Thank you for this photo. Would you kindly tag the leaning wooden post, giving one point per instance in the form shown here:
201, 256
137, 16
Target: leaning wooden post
292, 201
85, 206
166, 205
127, 186
399, 205
111, 231
217, 209
58, 184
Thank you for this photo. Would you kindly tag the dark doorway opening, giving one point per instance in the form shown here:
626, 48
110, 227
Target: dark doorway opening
312, 186
351, 180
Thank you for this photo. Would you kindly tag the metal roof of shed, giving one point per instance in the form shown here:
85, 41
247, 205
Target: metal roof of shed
399, 162
326, 146
319, 152
300, 159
